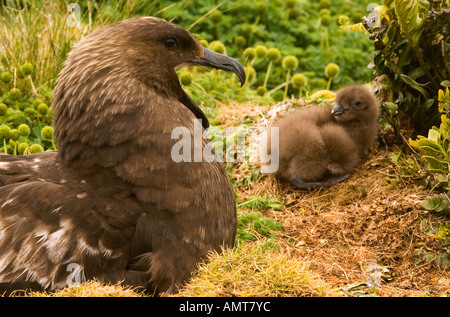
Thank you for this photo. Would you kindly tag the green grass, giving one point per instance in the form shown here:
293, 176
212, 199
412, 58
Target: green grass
38, 32
254, 270
89, 289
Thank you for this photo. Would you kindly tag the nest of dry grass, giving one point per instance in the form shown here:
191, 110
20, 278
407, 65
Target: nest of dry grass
339, 232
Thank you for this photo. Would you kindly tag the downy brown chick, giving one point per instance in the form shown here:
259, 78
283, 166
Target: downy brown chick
320, 146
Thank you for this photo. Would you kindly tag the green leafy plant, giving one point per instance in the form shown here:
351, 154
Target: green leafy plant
436, 246
439, 203
435, 148
435, 151
407, 169
411, 49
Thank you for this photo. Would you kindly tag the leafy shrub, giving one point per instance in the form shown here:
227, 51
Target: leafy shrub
407, 169
435, 148
435, 151
437, 246
438, 203
412, 42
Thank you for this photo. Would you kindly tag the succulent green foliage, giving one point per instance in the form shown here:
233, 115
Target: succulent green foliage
439, 203
410, 19
444, 102
436, 247
435, 148
252, 224
412, 49
424, 256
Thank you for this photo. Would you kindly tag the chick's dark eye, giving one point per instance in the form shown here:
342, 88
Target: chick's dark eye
358, 103
170, 43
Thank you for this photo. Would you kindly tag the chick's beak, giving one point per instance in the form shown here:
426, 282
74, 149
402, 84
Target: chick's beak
220, 61
337, 110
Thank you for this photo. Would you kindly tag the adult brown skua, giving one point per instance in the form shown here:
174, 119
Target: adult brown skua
320, 146
111, 204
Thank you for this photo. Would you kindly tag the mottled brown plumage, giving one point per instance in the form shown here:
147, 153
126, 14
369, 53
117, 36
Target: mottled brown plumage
111, 202
320, 146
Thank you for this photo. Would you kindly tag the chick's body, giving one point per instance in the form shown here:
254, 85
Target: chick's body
320, 145
312, 146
